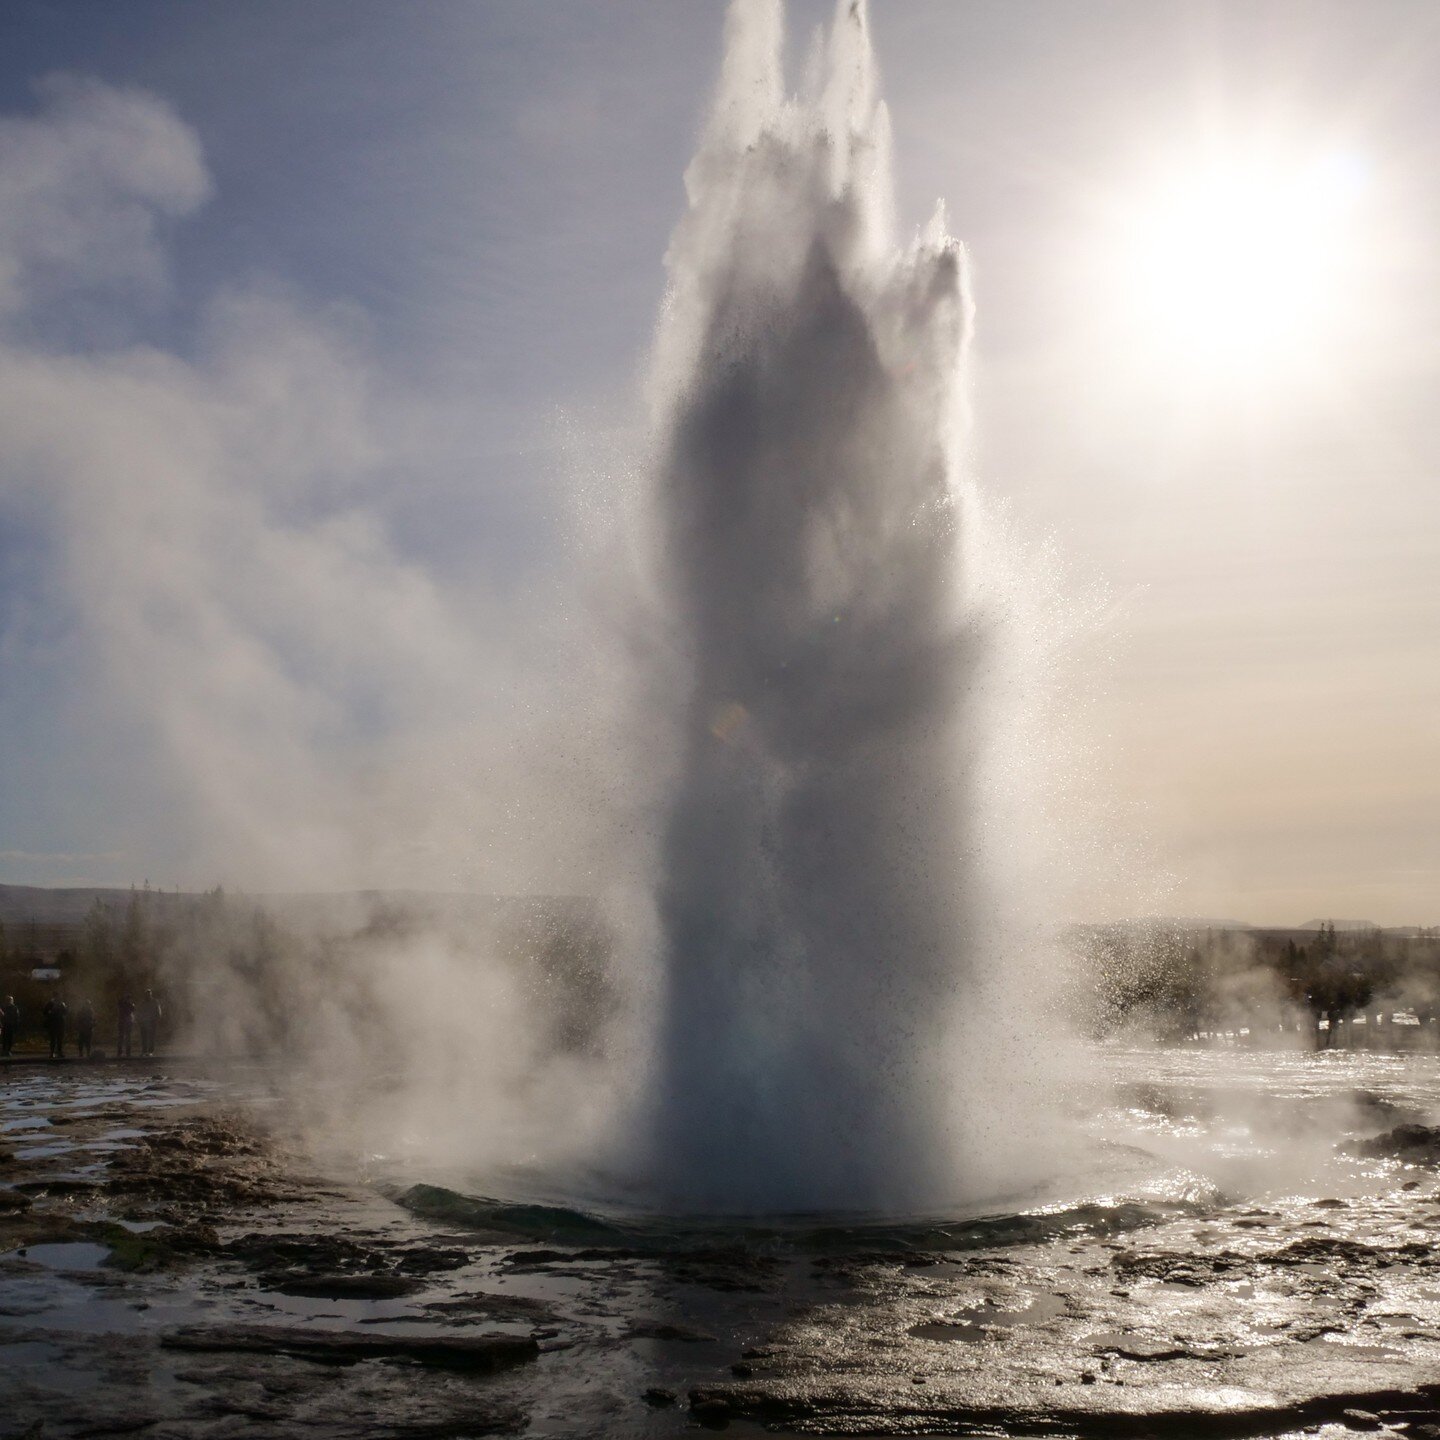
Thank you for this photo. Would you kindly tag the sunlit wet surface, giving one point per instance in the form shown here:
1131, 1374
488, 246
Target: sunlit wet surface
1222, 1242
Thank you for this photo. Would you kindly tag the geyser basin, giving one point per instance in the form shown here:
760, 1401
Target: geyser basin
1151, 1197
852, 991
1304, 1287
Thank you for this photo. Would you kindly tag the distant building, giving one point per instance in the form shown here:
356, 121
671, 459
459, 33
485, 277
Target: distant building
45, 972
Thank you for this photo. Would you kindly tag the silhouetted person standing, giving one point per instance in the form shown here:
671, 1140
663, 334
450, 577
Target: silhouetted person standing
84, 1028
149, 1017
9, 1024
126, 1023
55, 1010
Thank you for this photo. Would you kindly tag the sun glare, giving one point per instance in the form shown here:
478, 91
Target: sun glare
1242, 265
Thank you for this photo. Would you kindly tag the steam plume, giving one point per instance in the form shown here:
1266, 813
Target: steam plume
829, 924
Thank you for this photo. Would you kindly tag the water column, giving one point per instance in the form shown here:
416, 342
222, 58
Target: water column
814, 881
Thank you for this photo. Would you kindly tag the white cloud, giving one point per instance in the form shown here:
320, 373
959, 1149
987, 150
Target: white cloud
328, 713
86, 186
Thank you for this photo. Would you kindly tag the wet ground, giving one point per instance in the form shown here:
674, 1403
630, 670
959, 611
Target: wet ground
1264, 1265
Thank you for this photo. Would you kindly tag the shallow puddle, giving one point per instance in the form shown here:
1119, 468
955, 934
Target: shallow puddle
1043, 1306
949, 1331
68, 1255
44, 1152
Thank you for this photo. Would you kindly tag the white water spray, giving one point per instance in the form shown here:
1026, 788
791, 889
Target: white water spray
842, 1026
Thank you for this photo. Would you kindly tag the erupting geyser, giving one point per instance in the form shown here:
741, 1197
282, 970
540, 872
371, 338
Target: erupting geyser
838, 1031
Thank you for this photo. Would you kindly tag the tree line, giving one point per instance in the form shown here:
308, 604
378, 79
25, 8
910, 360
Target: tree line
241, 976
1176, 984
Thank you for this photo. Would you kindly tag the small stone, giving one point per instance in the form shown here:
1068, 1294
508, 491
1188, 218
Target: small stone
714, 1414
342, 1287
742, 1372
1362, 1419
658, 1398
1087, 1377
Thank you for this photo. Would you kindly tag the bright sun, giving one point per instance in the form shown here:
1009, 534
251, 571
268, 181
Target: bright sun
1241, 265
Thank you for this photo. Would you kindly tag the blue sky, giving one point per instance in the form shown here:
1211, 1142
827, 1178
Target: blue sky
417, 246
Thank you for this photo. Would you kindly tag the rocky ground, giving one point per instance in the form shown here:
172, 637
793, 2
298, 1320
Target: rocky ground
170, 1267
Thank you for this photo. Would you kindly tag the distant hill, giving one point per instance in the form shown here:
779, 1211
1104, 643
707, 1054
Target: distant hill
37, 905
1184, 924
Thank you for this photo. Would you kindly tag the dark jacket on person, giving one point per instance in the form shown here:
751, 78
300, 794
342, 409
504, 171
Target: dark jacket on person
55, 1011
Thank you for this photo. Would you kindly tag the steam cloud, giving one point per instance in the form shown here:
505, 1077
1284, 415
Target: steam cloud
296, 704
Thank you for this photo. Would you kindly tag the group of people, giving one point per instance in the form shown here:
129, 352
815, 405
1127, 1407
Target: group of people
55, 1013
